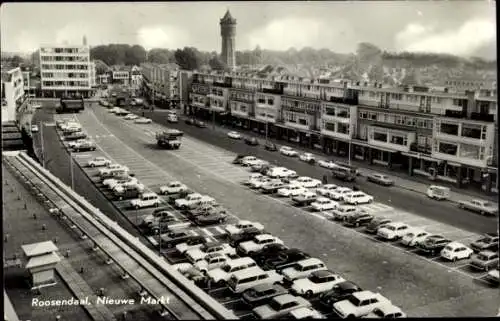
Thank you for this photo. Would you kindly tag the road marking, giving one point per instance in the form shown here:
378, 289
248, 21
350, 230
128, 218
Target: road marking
207, 232
220, 230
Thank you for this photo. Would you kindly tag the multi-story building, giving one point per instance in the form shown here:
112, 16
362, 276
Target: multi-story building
65, 70
120, 75
135, 78
93, 76
160, 84
13, 94
103, 79
447, 136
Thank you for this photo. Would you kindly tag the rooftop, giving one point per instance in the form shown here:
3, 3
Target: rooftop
39, 248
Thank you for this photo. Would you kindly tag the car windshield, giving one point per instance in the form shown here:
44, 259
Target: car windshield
410, 235
354, 300
226, 268
482, 257
392, 228
315, 279
251, 292
274, 305
448, 248
379, 313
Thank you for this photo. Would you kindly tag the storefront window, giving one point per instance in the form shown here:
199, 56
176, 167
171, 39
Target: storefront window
471, 131
398, 140
381, 137
329, 126
343, 128
469, 151
446, 148
450, 129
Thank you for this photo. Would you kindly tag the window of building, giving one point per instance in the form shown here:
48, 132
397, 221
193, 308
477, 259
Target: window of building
343, 114
373, 116
329, 126
303, 121
292, 118
471, 131
399, 120
449, 128
470, 151
398, 140
409, 121
363, 115
381, 137
343, 128
243, 108
330, 111
261, 101
447, 148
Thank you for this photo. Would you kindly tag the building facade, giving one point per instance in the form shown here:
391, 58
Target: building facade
161, 84
441, 135
65, 70
228, 34
13, 94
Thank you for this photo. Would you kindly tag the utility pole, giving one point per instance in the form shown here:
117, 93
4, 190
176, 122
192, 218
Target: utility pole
267, 128
72, 174
159, 238
41, 138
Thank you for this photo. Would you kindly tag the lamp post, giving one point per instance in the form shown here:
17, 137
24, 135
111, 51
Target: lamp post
71, 171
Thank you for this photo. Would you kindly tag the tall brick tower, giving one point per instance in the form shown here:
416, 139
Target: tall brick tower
228, 33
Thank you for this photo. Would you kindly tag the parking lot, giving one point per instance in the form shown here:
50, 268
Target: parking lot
217, 162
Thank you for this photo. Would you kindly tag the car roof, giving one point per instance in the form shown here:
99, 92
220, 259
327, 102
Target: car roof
322, 199
488, 252
363, 295
285, 298
245, 272
302, 312
262, 287
397, 224
456, 244
244, 222
322, 273
309, 261
149, 194
263, 236
389, 308
175, 182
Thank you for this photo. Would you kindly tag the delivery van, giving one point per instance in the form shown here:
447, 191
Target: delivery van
438, 192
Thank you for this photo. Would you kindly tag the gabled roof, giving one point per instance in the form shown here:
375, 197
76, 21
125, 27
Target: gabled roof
228, 18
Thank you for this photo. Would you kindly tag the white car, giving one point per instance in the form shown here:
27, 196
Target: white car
393, 231
306, 157
356, 198
291, 190
288, 151
131, 117
456, 251
360, 304
249, 160
182, 267
239, 227
307, 182
303, 268
211, 261
317, 282
304, 313
143, 120
99, 161
414, 236
112, 167
342, 212
388, 311
259, 182
324, 204
146, 200
201, 253
326, 189
34, 128
258, 242
120, 188
234, 135
183, 247
340, 193
78, 142
253, 177
327, 164
173, 188
287, 173
193, 200
112, 182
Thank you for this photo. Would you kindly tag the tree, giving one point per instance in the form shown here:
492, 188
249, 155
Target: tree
216, 63
161, 56
188, 58
135, 55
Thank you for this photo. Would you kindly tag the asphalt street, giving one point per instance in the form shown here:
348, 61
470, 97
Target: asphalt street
445, 212
420, 286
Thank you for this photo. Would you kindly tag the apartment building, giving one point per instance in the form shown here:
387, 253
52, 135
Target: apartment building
443, 135
13, 94
135, 78
65, 70
120, 75
160, 84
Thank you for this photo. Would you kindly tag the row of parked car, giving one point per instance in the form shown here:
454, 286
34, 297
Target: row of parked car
130, 116
73, 134
272, 278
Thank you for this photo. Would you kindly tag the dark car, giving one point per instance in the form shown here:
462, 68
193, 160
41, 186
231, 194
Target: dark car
173, 238
199, 210
338, 293
238, 159
488, 241
376, 223
358, 219
285, 259
262, 293
267, 252
252, 141
189, 121
196, 240
272, 187
432, 245
161, 224
380, 179
84, 147
200, 124
247, 235
172, 197
210, 218
127, 192
270, 146
344, 174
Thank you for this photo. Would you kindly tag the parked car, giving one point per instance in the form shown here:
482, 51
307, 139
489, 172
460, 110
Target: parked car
98, 161
438, 192
282, 259
247, 235
303, 313
493, 276
257, 243
308, 158
200, 253
189, 121
173, 188
485, 260
252, 141
84, 146
342, 212
377, 223
380, 179
210, 262
324, 204
304, 199
239, 158
325, 190
272, 186
339, 193
338, 293
269, 251
200, 124
344, 174
412, 237
358, 219
110, 167
316, 283
433, 245
280, 306
488, 241
143, 120
128, 191
131, 117
173, 238
259, 182
388, 311
262, 293
479, 206
193, 200
241, 226
307, 182
172, 118
327, 164
358, 198
249, 160
359, 304
270, 146
456, 251
145, 200
192, 243
303, 269
234, 135
393, 231
210, 218
288, 151
291, 190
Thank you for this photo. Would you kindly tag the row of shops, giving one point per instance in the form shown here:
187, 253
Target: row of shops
414, 163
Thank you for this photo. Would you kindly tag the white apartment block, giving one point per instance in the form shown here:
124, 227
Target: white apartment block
121, 76
65, 70
13, 96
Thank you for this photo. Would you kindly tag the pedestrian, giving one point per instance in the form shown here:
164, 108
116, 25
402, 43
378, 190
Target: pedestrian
325, 180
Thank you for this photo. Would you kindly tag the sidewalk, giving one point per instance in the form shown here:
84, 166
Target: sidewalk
401, 179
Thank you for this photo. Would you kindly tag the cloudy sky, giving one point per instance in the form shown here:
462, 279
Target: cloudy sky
463, 28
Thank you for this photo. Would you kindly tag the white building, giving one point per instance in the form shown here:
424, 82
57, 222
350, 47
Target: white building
161, 82
65, 70
12, 93
121, 76
93, 76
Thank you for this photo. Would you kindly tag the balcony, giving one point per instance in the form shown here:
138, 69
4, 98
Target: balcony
460, 153
397, 140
